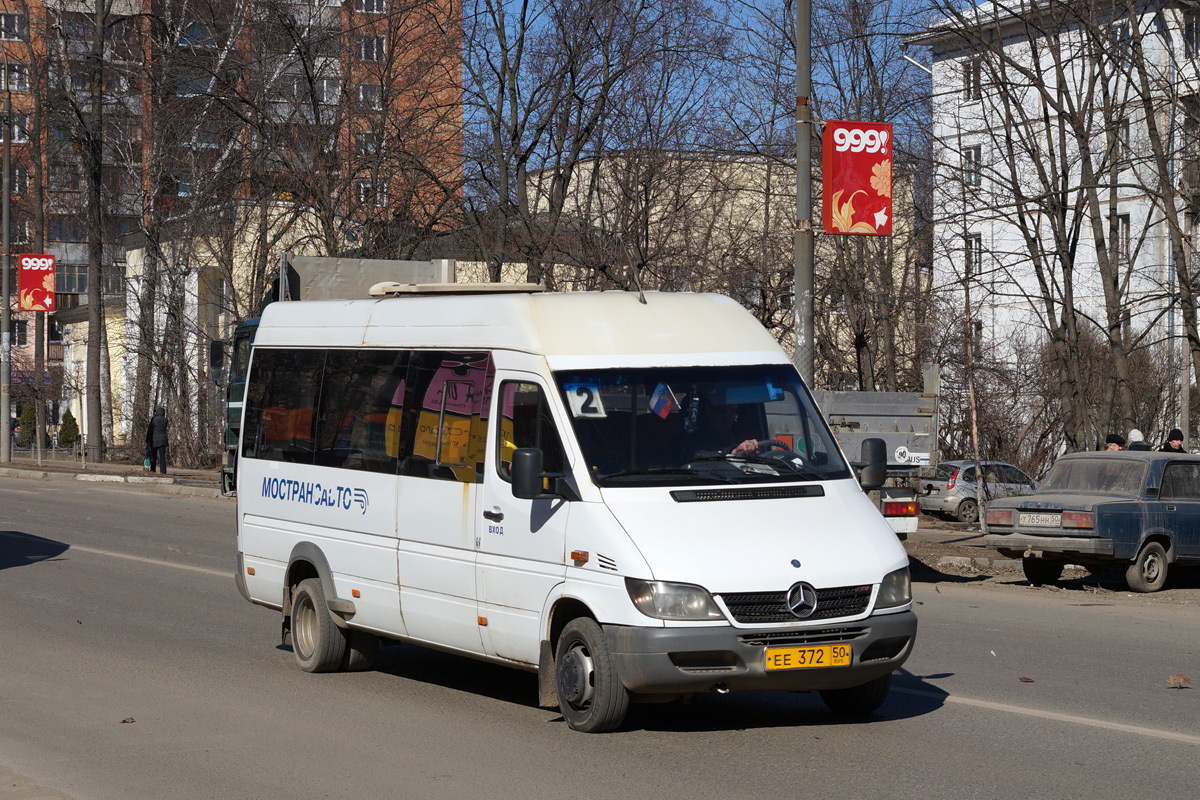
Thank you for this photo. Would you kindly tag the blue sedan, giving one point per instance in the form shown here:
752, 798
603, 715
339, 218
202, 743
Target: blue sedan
1136, 509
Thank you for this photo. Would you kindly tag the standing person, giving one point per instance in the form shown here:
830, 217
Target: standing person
1137, 441
156, 440
1115, 441
1174, 442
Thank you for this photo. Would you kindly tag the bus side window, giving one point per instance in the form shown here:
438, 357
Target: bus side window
357, 396
525, 421
280, 401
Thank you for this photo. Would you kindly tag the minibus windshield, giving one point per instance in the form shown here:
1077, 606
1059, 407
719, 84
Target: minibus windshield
698, 425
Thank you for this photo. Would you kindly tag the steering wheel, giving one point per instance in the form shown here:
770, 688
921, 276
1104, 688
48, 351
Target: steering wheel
767, 445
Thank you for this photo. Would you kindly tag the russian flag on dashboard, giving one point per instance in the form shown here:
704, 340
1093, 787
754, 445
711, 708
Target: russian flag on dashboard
662, 400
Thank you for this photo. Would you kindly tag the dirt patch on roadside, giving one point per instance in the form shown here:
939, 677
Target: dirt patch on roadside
932, 561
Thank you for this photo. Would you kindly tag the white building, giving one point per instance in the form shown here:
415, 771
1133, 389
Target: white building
1049, 164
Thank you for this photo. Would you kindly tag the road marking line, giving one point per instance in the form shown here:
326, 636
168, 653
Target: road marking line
1053, 715
155, 561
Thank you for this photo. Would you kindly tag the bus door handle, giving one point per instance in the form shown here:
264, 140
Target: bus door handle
495, 515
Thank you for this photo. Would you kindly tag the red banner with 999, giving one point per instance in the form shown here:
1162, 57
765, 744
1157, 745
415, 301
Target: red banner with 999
36, 286
856, 182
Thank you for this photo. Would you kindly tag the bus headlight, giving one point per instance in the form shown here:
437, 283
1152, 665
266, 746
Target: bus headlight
896, 589
663, 600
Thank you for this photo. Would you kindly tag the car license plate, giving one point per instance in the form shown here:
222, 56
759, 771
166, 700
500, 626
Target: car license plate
826, 655
1041, 520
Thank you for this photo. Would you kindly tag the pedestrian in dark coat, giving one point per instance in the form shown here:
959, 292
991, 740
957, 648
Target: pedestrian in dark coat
1174, 442
156, 440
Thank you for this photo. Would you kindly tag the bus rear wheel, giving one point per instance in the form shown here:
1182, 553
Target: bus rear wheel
318, 644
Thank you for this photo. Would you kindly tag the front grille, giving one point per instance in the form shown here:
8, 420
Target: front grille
768, 607
804, 636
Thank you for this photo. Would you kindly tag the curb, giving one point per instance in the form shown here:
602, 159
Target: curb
162, 485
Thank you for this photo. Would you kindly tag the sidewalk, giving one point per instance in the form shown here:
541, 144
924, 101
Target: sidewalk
191, 482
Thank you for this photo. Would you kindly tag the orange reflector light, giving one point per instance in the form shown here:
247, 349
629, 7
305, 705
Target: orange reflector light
1078, 519
354, 593
482, 621
899, 508
999, 516
249, 570
580, 557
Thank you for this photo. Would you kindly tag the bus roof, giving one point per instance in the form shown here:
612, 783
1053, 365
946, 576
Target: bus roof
571, 329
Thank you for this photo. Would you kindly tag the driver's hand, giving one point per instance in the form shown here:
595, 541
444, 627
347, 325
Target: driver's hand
746, 448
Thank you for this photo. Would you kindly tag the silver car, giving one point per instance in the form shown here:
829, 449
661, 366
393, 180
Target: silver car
953, 491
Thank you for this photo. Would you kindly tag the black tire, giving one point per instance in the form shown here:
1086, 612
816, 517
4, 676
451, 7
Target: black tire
1039, 571
858, 699
967, 511
318, 644
361, 649
591, 696
1148, 572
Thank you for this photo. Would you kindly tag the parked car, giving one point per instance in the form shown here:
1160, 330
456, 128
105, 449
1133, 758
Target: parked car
1140, 509
953, 489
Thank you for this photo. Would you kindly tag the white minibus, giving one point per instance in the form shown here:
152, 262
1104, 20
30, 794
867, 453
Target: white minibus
633, 496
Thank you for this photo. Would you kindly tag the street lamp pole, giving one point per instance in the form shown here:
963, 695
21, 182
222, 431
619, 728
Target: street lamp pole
803, 278
6, 313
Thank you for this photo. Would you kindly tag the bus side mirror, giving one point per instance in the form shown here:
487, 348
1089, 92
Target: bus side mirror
874, 459
527, 473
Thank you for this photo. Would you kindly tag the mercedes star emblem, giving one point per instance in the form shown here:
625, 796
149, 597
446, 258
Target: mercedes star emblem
802, 600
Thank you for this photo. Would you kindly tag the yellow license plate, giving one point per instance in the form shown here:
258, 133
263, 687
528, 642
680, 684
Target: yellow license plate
826, 655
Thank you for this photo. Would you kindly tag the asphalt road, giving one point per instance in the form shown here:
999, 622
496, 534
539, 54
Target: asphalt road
119, 604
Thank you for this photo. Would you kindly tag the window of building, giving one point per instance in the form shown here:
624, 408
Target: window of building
370, 193
16, 78
1191, 32
1121, 150
370, 96
20, 332
120, 30
65, 229
197, 34
112, 279
371, 48
20, 129
183, 184
1121, 38
64, 178
973, 165
58, 130
1118, 232
973, 254
70, 278
972, 78
327, 91
19, 231
207, 135
20, 179
366, 143
12, 27
192, 85
370, 6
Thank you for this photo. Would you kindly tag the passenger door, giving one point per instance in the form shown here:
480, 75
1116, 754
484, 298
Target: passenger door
520, 543
436, 433
1180, 502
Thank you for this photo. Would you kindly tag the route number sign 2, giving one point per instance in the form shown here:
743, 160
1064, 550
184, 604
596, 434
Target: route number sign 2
35, 286
856, 182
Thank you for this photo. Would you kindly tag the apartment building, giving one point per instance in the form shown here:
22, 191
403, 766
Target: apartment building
201, 121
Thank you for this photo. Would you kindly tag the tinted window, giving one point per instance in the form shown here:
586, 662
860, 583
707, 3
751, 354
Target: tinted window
1087, 475
280, 405
360, 410
444, 419
525, 421
1181, 481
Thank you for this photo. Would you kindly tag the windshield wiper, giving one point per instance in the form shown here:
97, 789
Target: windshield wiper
695, 473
